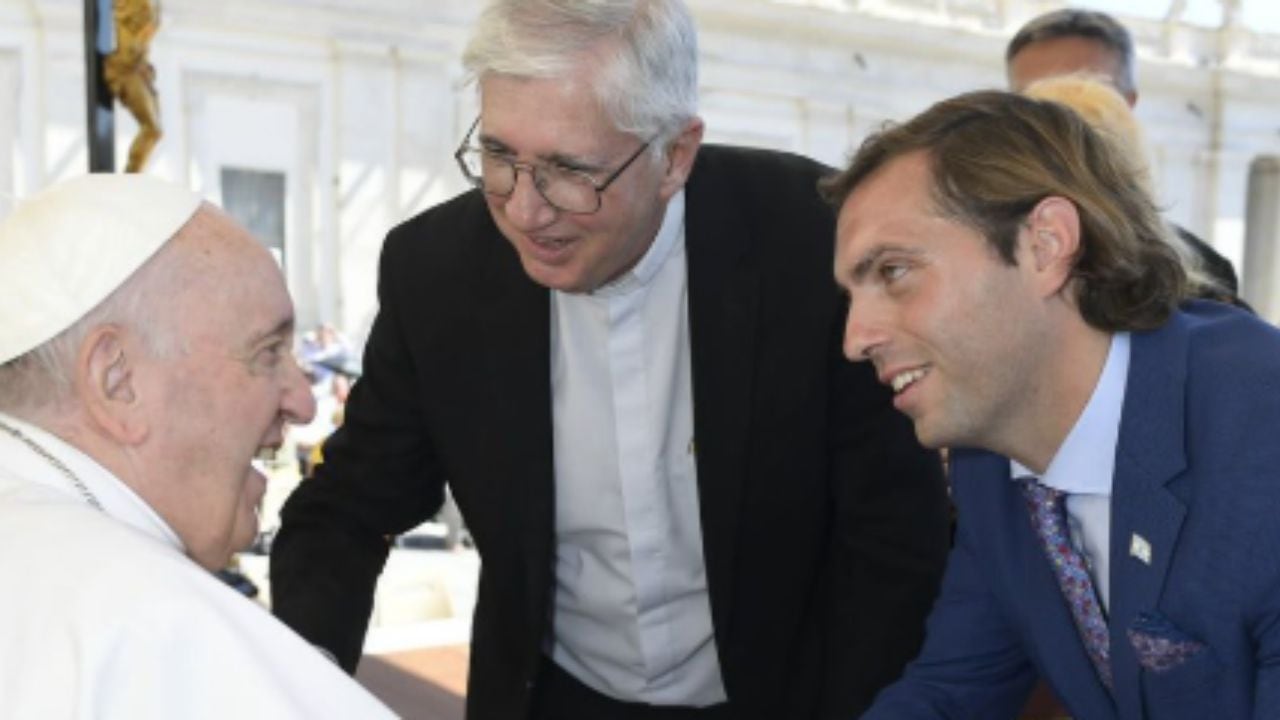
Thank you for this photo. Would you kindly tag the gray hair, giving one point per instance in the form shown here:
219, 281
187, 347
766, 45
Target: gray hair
647, 51
43, 377
1087, 24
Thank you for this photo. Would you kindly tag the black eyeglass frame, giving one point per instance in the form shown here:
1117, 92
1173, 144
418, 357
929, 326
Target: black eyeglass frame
478, 182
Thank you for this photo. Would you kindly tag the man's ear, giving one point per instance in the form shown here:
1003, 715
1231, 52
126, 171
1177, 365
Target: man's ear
1052, 235
107, 384
681, 152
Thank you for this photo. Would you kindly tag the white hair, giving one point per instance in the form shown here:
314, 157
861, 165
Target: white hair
647, 51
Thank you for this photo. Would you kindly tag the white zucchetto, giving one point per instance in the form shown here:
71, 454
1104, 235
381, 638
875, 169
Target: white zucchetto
64, 250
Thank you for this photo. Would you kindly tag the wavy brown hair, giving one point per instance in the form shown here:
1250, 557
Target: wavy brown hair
996, 155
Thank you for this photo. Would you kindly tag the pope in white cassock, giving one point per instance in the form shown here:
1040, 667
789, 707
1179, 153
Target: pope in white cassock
144, 362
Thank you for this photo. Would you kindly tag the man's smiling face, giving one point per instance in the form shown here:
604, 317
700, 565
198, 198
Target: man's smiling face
559, 123
947, 322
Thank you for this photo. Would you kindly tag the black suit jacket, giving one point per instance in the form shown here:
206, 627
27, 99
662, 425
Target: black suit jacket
824, 523
1215, 265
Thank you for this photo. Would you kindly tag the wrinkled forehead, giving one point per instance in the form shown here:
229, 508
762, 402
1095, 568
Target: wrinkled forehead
213, 236
222, 270
547, 117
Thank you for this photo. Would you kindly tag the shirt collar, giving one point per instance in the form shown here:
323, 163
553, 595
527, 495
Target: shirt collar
118, 500
1085, 462
667, 240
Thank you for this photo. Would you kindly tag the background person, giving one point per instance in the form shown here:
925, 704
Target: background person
1069, 41
1105, 109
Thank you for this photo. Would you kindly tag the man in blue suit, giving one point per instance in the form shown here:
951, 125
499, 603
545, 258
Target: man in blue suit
1119, 513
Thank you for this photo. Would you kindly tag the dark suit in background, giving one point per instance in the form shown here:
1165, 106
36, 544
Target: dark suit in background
824, 523
1215, 265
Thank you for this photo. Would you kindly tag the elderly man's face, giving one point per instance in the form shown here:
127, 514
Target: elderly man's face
558, 122
225, 393
948, 324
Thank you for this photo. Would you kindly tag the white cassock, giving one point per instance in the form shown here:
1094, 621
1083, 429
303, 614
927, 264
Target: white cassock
103, 616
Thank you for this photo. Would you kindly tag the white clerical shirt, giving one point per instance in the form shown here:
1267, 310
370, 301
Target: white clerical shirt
1085, 464
632, 615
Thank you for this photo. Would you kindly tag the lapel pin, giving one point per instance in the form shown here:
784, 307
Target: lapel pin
1140, 548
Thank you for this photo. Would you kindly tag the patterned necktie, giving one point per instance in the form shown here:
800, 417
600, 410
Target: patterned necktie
1049, 519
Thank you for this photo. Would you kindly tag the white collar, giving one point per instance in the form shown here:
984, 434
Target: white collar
1086, 460
118, 500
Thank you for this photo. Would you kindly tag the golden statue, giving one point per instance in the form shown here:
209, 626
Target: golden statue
131, 78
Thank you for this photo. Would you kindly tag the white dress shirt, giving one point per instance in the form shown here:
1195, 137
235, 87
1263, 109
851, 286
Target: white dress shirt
632, 616
1084, 467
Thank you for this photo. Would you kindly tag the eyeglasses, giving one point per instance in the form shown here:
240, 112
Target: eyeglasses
565, 189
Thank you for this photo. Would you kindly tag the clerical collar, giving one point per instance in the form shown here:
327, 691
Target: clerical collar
1086, 460
663, 244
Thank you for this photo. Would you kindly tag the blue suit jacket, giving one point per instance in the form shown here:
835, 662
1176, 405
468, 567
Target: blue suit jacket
1197, 476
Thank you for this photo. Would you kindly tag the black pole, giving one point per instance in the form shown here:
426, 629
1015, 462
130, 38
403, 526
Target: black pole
99, 41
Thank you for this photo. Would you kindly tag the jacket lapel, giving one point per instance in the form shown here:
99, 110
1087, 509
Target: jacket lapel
513, 320
1055, 644
1146, 515
723, 307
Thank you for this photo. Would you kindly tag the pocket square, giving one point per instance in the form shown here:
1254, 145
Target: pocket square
1159, 644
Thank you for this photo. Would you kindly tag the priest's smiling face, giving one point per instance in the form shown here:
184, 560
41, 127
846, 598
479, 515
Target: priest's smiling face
558, 126
221, 392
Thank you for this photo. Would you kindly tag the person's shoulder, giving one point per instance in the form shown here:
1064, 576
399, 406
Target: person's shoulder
452, 224
141, 584
1214, 346
770, 191
1231, 382
777, 168
1226, 334
62, 543
92, 595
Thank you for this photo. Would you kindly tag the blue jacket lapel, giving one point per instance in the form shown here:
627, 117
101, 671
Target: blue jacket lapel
1054, 643
992, 510
1144, 509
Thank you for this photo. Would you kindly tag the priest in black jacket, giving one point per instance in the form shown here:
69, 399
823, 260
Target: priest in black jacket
621, 352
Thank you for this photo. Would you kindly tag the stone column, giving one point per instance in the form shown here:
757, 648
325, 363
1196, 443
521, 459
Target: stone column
1262, 230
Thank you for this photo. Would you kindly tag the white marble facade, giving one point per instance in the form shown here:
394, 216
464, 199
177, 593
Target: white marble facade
360, 103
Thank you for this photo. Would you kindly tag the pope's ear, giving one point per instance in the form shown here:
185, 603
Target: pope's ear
106, 383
